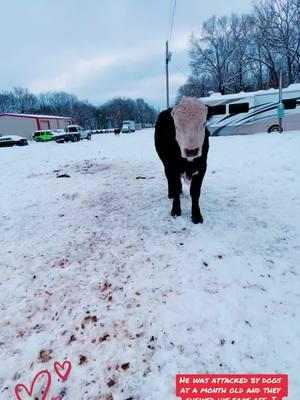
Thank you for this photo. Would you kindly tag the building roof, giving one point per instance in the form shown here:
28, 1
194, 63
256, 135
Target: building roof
33, 116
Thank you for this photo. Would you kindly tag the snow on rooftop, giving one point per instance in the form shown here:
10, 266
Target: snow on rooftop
215, 96
34, 116
14, 137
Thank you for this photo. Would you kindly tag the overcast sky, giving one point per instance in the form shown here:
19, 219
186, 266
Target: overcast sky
100, 49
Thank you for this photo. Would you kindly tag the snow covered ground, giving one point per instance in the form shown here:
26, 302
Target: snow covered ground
94, 269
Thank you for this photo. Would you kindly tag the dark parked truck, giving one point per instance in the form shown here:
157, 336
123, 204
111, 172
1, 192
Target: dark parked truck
73, 133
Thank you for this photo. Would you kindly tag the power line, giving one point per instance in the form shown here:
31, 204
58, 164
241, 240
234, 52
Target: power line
172, 20
168, 53
180, 69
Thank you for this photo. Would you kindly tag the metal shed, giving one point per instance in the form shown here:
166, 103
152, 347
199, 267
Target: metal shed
26, 124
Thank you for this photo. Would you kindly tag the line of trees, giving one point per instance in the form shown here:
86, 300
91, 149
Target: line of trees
245, 53
110, 114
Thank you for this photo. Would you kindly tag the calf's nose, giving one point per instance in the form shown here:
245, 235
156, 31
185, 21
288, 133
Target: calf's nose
191, 152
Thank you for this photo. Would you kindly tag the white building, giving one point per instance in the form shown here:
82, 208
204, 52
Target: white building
26, 124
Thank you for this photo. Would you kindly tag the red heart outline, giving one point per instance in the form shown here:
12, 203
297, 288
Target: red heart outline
29, 392
63, 376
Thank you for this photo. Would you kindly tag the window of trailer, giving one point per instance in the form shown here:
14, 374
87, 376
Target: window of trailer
238, 108
289, 104
218, 110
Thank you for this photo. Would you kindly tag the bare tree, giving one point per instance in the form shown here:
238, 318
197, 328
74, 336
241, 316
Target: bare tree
24, 101
119, 109
194, 87
221, 48
58, 103
113, 112
233, 54
278, 36
7, 102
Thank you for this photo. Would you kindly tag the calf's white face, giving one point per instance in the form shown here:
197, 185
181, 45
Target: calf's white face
190, 118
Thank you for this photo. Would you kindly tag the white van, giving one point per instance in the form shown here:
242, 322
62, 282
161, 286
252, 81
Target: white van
128, 126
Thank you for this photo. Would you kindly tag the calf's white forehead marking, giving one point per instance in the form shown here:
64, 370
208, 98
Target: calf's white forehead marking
189, 111
189, 118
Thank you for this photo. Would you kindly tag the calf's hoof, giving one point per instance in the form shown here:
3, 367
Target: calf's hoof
196, 215
197, 219
176, 212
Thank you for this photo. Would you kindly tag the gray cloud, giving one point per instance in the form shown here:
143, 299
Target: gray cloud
100, 49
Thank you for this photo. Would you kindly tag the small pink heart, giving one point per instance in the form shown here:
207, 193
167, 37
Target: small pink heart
47, 380
56, 398
63, 370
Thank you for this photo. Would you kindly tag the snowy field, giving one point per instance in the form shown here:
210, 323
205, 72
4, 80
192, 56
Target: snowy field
94, 269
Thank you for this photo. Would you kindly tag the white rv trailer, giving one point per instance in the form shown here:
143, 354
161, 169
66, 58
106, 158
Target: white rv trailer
245, 113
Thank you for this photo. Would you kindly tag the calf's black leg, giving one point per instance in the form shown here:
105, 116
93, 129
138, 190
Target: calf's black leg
175, 188
176, 209
195, 192
173, 183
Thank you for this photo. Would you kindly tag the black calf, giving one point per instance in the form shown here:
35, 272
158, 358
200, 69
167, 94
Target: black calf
175, 165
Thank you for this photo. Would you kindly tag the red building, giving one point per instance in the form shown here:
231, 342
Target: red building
26, 124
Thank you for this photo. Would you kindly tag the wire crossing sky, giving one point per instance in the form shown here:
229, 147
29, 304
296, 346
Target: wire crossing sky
172, 14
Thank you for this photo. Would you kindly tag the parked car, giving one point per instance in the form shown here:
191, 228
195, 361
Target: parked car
72, 133
43, 136
13, 140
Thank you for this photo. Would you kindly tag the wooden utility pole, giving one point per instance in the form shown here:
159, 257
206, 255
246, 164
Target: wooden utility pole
167, 72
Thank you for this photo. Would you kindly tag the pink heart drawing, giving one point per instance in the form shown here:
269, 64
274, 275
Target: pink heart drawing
56, 398
47, 380
63, 370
